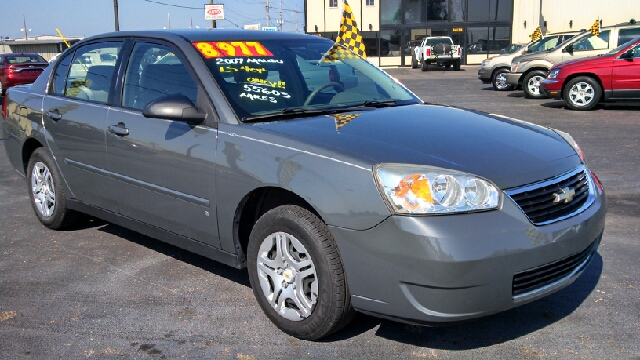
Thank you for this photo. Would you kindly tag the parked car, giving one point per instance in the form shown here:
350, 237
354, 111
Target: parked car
353, 196
19, 68
582, 84
439, 50
494, 70
530, 70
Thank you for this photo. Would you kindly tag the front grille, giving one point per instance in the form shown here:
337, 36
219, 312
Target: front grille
530, 280
546, 202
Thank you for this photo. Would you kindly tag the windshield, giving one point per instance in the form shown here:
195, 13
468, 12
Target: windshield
24, 58
436, 41
616, 50
511, 48
294, 75
544, 44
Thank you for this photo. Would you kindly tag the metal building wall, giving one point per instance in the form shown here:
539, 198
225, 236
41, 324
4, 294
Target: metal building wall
559, 13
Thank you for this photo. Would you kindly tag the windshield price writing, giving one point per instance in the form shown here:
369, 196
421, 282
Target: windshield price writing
234, 48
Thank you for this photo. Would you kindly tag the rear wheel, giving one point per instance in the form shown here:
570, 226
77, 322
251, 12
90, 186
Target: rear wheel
447, 65
499, 80
1, 89
46, 192
414, 61
296, 273
531, 84
582, 93
425, 66
456, 65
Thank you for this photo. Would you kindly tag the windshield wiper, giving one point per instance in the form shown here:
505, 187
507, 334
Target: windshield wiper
288, 112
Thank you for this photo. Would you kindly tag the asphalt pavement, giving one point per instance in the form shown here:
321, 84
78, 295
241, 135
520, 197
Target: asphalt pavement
102, 291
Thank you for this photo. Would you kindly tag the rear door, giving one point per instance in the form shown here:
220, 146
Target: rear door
625, 80
75, 114
164, 169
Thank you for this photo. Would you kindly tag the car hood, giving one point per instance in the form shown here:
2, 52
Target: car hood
591, 61
532, 56
506, 151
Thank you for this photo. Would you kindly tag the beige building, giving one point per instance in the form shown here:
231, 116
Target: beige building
46, 45
482, 27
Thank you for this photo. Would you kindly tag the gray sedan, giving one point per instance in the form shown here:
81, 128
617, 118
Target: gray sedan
335, 186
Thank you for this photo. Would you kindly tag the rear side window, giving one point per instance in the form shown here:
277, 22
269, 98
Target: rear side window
24, 59
626, 35
90, 76
592, 42
155, 71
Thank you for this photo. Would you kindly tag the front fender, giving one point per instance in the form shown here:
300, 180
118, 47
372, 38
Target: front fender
339, 187
532, 65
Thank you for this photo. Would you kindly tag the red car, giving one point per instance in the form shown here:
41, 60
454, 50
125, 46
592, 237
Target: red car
20, 68
583, 83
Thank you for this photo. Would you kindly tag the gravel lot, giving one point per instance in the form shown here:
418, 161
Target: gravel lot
101, 291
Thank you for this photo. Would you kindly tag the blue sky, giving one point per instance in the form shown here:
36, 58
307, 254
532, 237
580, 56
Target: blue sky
90, 17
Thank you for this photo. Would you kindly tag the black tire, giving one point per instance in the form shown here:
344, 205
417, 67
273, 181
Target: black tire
447, 65
52, 214
499, 80
456, 65
425, 66
582, 93
531, 84
414, 61
332, 309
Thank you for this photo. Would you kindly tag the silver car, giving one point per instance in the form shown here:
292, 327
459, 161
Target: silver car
341, 195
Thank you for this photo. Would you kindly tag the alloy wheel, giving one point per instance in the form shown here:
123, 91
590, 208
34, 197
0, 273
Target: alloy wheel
42, 186
534, 84
581, 94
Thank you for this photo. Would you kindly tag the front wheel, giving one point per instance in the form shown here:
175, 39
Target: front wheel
46, 192
531, 84
297, 275
582, 93
499, 80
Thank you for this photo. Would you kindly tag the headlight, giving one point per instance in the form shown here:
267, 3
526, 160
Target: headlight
569, 139
486, 62
514, 67
554, 73
414, 189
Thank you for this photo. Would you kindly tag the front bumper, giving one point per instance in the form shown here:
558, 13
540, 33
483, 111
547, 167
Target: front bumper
484, 74
551, 88
514, 78
435, 269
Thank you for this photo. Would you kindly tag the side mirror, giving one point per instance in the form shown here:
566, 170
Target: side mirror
627, 55
174, 107
568, 49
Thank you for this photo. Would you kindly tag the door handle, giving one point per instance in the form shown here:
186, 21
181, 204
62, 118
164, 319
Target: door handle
119, 129
55, 115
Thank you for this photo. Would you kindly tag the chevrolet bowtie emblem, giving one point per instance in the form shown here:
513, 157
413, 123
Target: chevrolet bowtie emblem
565, 195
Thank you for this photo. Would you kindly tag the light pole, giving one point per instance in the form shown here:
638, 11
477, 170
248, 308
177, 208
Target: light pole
115, 11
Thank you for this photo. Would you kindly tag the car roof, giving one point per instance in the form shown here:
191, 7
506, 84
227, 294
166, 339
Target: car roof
193, 35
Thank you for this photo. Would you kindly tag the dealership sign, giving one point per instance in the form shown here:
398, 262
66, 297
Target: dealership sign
214, 12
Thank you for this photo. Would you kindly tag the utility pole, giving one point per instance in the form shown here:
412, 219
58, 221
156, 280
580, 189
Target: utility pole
169, 20
115, 11
280, 15
297, 13
268, 16
213, 22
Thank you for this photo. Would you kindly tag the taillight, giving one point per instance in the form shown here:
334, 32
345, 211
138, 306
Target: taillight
429, 52
11, 69
459, 51
4, 106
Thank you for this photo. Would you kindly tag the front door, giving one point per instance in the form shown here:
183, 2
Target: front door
589, 45
165, 169
75, 114
625, 81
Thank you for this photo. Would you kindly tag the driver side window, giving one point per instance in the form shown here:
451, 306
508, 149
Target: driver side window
155, 71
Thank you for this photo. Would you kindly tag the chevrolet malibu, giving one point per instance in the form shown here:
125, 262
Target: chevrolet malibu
335, 186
